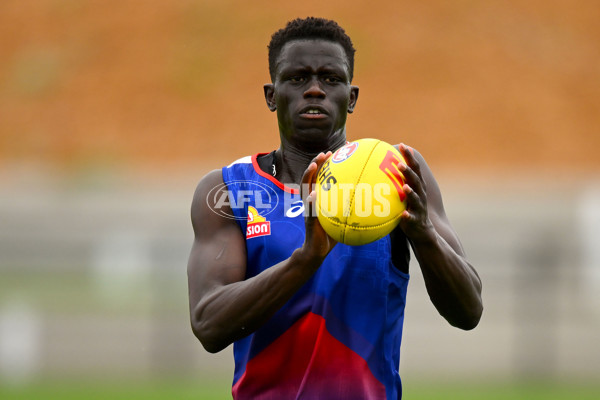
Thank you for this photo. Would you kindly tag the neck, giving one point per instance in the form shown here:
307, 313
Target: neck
291, 160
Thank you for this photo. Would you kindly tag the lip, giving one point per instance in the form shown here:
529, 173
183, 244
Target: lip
305, 114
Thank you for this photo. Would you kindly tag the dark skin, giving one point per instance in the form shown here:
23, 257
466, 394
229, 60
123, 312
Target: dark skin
312, 96
309, 77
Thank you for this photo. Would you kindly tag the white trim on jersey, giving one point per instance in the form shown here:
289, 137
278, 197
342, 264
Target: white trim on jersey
243, 160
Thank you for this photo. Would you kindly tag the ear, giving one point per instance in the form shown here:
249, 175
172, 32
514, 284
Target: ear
353, 99
270, 96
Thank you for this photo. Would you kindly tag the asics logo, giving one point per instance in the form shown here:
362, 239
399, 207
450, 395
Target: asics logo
296, 208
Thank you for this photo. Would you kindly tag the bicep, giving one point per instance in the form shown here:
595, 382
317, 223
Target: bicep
218, 255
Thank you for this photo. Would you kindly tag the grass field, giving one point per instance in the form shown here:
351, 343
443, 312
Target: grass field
189, 389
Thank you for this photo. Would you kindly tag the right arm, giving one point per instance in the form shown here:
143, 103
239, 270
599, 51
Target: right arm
223, 306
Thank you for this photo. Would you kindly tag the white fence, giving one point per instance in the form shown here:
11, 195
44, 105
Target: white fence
93, 281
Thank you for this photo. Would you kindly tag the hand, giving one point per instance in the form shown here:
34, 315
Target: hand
415, 220
317, 243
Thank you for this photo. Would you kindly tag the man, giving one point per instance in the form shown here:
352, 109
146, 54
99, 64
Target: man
309, 317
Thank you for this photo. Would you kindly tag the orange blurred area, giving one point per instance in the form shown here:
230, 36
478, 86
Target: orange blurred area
177, 84
111, 110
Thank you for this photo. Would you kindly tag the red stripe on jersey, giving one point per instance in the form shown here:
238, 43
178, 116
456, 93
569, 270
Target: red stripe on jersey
307, 362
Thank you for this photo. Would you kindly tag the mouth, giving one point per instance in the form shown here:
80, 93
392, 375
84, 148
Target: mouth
313, 112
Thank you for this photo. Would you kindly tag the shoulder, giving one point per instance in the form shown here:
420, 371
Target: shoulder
210, 205
216, 178
208, 182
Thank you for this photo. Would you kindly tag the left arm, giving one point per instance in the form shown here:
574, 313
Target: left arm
452, 283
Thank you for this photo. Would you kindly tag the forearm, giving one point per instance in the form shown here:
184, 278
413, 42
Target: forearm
452, 283
233, 311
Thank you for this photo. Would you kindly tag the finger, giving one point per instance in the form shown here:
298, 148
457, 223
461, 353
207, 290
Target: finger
409, 155
308, 177
413, 180
324, 158
406, 216
306, 188
312, 197
319, 160
407, 151
309, 204
407, 220
309, 172
414, 202
314, 228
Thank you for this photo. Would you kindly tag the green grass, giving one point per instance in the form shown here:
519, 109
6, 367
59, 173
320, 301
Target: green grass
498, 391
117, 390
217, 390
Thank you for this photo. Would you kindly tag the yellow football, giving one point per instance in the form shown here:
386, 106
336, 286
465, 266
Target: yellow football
359, 192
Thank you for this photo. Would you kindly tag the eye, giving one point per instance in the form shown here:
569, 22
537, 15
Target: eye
332, 79
296, 79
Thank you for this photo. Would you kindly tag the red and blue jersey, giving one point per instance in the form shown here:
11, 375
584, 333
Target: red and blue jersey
339, 336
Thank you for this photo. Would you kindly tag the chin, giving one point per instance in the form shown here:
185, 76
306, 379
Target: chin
316, 140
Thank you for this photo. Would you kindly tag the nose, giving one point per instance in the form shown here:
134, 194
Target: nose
314, 89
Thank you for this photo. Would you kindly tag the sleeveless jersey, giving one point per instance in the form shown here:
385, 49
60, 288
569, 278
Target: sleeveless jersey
339, 336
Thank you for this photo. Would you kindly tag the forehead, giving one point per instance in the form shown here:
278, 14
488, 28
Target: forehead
313, 53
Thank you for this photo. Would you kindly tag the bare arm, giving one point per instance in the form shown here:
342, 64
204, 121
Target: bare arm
223, 306
452, 282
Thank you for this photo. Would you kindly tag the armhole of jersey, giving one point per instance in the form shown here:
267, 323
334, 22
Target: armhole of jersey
401, 252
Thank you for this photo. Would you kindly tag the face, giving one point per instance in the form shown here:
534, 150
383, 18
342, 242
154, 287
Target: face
311, 92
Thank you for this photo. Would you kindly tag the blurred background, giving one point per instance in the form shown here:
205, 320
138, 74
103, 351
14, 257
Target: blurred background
111, 111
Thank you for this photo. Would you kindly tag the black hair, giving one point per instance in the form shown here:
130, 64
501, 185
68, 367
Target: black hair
310, 28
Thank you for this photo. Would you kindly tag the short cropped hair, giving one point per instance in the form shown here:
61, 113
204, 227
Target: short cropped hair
310, 28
